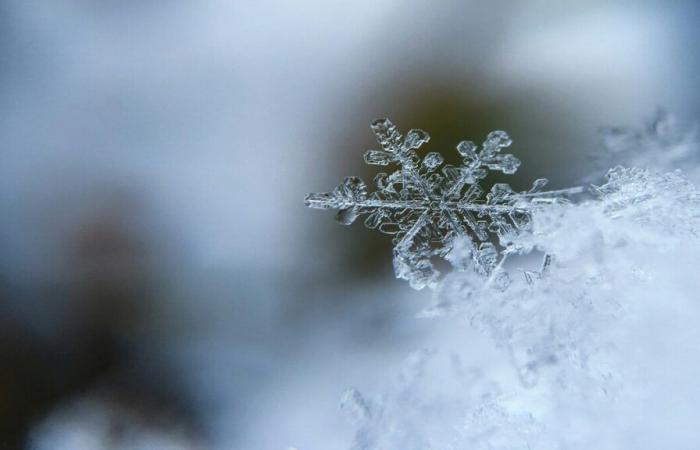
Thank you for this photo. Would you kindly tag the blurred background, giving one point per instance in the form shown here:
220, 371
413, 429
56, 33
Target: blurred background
162, 285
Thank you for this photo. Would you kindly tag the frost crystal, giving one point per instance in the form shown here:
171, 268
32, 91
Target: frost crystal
428, 209
464, 410
609, 332
667, 201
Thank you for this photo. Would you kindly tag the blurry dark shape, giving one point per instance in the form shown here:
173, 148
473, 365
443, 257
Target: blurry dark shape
111, 420
110, 269
105, 294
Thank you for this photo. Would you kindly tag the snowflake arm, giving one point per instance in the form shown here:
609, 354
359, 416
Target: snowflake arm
426, 209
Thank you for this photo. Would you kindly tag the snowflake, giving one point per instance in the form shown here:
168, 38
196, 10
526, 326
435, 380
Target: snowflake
427, 209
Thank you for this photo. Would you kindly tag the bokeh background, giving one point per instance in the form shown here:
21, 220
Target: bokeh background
162, 285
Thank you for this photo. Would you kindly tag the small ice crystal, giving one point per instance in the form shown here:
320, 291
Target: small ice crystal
427, 208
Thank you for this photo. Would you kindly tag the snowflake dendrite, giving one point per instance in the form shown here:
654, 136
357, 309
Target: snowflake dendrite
428, 209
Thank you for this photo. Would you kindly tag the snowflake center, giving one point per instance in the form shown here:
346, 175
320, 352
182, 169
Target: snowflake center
435, 205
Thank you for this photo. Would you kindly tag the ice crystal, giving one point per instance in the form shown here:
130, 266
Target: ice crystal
603, 341
634, 208
599, 341
428, 209
464, 410
667, 201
